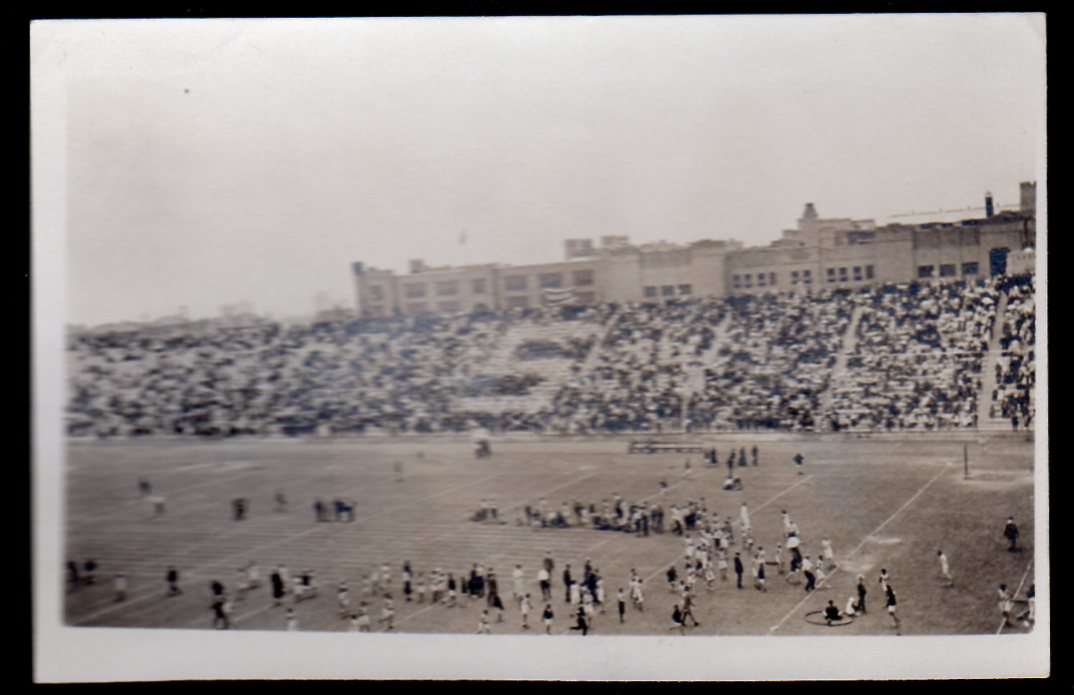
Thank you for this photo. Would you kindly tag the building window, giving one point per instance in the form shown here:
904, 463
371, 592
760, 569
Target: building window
376, 293
924, 271
414, 291
969, 268
478, 286
650, 291
667, 291
761, 280
518, 302
415, 308
857, 273
583, 278
807, 277
748, 280
869, 272
550, 280
448, 288
794, 277
831, 274
685, 289
947, 270
448, 307
772, 279
515, 283
736, 281
842, 275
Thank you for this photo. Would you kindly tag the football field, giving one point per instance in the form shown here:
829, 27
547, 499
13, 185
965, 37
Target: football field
884, 503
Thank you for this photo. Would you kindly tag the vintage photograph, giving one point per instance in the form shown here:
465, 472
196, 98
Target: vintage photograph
540, 348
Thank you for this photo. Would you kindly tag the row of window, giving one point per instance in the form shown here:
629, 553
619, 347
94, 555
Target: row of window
452, 307
947, 270
516, 283
551, 281
512, 283
857, 271
763, 280
667, 290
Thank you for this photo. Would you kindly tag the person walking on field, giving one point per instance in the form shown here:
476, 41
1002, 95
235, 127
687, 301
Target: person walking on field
945, 568
891, 606
739, 569
172, 577
861, 593
1010, 532
524, 609
548, 616
1005, 604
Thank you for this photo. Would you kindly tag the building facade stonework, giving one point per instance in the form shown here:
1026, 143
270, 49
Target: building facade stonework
818, 254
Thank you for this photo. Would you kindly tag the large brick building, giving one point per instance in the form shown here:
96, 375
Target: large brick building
818, 253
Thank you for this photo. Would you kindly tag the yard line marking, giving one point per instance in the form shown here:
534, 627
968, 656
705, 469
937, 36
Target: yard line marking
660, 569
185, 550
116, 606
1016, 592
863, 542
542, 494
738, 523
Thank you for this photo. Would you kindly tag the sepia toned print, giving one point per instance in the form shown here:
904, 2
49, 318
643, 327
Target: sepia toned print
551, 330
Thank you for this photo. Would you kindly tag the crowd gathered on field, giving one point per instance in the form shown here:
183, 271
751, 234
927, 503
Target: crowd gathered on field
718, 552
883, 358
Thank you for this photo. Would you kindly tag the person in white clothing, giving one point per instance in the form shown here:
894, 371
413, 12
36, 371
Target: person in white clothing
519, 591
524, 610
828, 553
945, 568
744, 516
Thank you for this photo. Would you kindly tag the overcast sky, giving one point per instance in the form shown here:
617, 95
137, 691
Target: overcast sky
209, 162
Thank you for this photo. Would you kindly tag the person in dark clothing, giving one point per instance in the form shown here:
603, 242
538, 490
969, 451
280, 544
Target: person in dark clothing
238, 507
742, 457
581, 624
861, 593
756, 454
567, 582
798, 461
622, 606
688, 610
217, 588
89, 570
319, 509
277, 588
72, 574
673, 576
172, 577
831, 613
220, 621
738, 569
1010, 532
677, 621
731, 464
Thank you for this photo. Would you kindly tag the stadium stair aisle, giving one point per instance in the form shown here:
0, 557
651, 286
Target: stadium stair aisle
839, 370
695, 375
988, 373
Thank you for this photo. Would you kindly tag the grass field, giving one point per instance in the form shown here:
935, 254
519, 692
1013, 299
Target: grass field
884, 503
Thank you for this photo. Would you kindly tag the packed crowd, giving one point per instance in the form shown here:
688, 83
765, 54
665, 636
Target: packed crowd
1016, 367
776, 362
918, 358
913, 362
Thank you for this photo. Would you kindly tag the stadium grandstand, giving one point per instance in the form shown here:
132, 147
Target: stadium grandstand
907, 356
